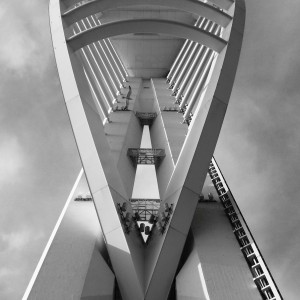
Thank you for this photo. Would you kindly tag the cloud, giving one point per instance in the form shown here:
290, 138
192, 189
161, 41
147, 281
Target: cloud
12, 160
24, 37
17, 240
14, 247
258, 149
6, 275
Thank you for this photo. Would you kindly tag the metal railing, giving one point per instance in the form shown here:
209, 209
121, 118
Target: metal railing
146, 156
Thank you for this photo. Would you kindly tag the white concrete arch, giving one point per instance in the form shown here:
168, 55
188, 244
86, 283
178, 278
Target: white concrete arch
147, 26
191, 6
104, 180
193, 162
138, 269
224, 4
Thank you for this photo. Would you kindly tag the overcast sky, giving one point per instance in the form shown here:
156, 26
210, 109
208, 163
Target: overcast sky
258, 149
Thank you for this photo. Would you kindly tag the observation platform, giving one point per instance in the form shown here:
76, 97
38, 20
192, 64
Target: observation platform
145, 208
146, 156
146, 118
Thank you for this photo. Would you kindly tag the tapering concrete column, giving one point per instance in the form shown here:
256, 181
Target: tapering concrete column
100, 51
88, 60
195, 65
106, 62
204, 25
114, 69
180, 55
190, 74
116, 57
118, 62
185, 55
177, 60
197, 75
181, 62
200, 86
96, 64
117, 72
101, 66
97, 91
196, 78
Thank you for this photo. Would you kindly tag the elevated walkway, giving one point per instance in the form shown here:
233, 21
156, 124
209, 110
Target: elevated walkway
146, 156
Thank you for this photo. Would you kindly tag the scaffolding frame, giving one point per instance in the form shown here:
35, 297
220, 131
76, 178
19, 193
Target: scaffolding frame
146, 156
145, 207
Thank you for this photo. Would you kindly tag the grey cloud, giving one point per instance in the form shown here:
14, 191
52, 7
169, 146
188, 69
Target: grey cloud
257, 150
24, 36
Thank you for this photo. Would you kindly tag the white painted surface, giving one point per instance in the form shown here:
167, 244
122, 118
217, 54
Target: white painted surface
99, 282
188, 281
193, 7
64, 269
146, 140
146, 26
45, 252
145, 184
127, 255
224, 268
100, 169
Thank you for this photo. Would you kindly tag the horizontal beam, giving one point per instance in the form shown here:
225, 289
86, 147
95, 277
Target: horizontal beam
146, 26
210, 12
224, 4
